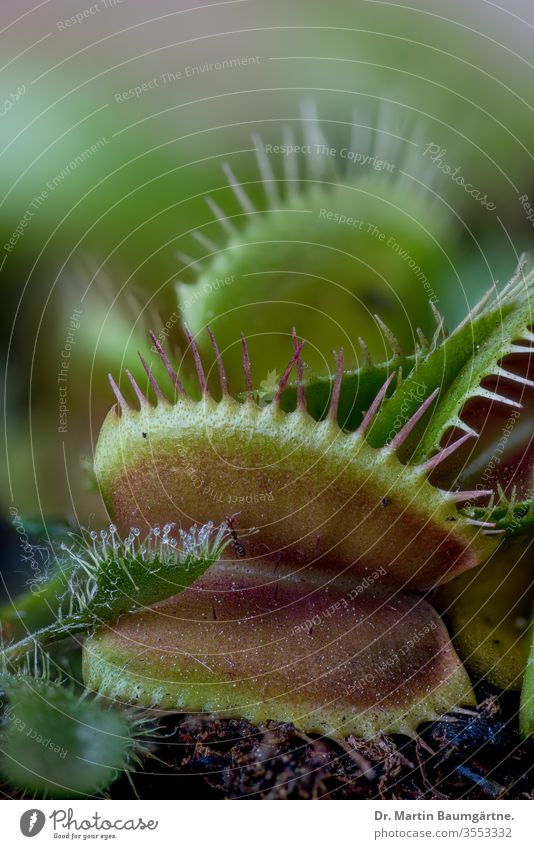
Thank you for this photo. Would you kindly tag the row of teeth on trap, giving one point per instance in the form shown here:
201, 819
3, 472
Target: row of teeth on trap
389, 139
296, 362
517, 287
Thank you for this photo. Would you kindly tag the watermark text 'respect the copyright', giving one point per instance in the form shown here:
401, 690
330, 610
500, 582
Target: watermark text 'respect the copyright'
355, 157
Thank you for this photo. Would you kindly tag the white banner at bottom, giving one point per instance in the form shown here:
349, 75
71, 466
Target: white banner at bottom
355, 824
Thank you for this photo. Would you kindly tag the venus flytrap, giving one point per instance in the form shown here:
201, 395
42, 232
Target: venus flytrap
509, 516
350, 461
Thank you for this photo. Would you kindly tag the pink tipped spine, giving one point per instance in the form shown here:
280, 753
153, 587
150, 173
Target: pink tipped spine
400, 437
301, 395
142, 400
220, 365
166, 362
444, 453
336, 391
285, 377
371, 412
471, 494
478, 523
198, 362
152, 379
118, 394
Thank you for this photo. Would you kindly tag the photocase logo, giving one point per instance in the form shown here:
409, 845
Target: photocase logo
32, 822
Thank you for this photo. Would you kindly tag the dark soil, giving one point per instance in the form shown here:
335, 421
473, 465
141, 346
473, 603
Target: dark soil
476, 754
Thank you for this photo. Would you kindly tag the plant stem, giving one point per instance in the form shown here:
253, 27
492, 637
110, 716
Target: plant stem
45, 637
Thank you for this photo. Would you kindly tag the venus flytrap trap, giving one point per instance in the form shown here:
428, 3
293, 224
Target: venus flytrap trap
188, 633
358, 389
331, 248
498, 327
456, 364
329, 481
350, 461
510, 516
381, 663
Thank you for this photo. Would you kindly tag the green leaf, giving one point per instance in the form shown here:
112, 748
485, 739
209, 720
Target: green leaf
55, 744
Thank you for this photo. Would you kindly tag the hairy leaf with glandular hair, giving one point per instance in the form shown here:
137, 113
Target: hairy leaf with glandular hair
244, 641
98, 577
